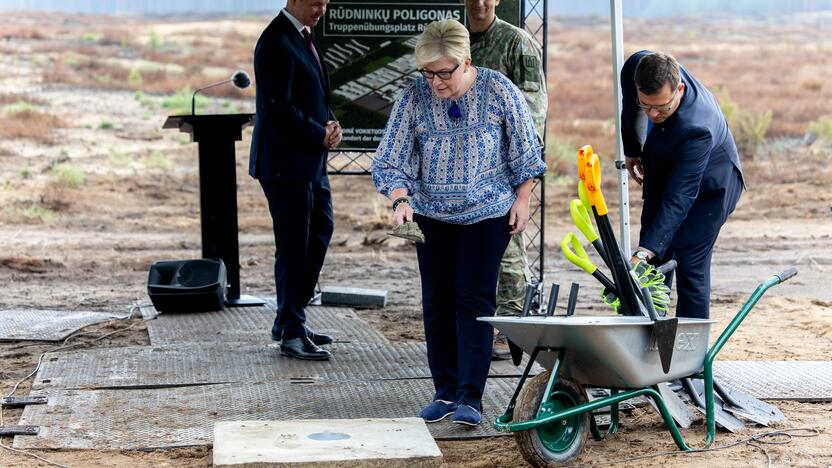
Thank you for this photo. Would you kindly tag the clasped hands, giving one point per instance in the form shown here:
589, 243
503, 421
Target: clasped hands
332, 138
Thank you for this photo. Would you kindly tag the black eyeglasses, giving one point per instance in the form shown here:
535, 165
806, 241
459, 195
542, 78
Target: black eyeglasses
661, 108
443, 75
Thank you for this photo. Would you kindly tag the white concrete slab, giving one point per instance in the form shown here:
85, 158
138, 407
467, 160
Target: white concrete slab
340, 443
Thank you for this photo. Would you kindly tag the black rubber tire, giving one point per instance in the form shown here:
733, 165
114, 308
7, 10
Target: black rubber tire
529, 442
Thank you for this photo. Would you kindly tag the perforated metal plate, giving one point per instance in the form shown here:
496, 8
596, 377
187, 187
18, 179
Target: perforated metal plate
191, 364
46, 325
778, 380
254, 324
184, 416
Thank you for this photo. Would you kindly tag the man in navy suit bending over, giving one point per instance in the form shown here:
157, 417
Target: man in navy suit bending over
293, 129
679, 147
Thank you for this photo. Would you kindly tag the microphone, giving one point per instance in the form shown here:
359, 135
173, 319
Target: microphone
239, 79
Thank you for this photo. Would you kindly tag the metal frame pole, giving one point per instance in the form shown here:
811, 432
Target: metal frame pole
617, 32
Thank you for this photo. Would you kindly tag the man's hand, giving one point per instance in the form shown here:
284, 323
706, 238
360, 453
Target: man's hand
635, 169
641, 255
518, 216
332, 138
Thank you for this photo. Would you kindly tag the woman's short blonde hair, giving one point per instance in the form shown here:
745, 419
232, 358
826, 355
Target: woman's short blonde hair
446, 39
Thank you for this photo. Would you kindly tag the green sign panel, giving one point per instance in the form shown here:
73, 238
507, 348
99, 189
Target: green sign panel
369, 50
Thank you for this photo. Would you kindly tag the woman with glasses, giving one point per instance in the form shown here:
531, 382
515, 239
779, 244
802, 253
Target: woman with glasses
458, 157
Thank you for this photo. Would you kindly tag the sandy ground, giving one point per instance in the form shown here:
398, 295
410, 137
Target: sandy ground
93, 251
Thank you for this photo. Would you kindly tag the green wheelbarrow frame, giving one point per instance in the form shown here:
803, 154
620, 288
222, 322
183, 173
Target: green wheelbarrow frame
546, 414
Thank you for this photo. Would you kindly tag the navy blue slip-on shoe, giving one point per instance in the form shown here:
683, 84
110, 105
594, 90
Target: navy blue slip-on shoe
467, 415
437, 411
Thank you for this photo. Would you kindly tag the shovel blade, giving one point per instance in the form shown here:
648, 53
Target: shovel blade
678, 409
665, 333
516, 353
751, 408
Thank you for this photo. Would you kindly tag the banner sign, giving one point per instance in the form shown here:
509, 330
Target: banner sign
369, 46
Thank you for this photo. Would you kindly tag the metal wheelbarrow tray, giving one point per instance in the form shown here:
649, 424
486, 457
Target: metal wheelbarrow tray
611, 351
549, 413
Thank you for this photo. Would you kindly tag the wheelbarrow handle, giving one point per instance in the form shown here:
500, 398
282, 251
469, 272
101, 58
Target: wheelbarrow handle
787, 274
667, 267
744, 310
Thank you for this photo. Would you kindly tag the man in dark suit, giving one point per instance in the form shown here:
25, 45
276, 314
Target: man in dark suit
293, 129
679, 146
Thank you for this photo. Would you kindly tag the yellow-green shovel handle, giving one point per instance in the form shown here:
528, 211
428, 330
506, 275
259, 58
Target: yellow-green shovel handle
578, 256
582, 221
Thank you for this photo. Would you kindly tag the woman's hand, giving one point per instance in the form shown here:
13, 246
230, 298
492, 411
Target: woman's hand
403, 213
518, 216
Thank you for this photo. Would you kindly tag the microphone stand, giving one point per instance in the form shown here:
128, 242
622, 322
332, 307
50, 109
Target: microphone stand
193, 98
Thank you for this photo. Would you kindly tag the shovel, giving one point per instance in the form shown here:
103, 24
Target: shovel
664, 330
583, 157
582, 221
579, 258
627, 295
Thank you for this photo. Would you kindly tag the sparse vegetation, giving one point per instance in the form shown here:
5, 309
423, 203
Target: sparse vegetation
822, 127
135, 78
154, 43
106, 125
37, 213
156, 160
180, 103
93, 37
18, 107
144, 100
117, 159
749, 128
67, 175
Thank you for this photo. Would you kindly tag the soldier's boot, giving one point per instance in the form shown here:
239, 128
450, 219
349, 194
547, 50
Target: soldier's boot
500, 351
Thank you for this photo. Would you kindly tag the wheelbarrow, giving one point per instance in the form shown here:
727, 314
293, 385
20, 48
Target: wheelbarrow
549, 413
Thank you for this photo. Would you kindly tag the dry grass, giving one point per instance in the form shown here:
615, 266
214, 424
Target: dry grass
764, 66
8, 32
30, 124
14, 98
86, 54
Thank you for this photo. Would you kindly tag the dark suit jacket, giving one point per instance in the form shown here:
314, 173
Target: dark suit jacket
690, 164
292, 107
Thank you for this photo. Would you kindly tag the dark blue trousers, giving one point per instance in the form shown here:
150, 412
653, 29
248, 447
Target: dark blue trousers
692, 248
303, 224
459, 266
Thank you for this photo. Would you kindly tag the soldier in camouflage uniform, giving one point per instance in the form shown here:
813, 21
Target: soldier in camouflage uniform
500, 46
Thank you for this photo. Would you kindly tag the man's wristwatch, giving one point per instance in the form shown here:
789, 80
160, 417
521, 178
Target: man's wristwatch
642, 255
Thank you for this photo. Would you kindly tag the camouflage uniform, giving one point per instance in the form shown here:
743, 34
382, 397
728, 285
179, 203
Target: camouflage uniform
511, 51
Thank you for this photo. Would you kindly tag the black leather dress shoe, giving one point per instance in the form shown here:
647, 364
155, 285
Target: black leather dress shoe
303, 348
318, 339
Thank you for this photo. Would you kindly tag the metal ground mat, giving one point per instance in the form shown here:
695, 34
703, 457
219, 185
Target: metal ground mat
778, 380
214, 363
184, 416
253, 325
46, 325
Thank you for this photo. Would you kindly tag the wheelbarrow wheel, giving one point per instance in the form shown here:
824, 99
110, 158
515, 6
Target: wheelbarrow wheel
557, 442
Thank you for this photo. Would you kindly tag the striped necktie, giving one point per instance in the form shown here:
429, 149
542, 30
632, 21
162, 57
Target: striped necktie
311, 47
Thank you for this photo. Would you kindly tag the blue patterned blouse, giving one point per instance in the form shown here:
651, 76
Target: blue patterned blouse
459, 170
